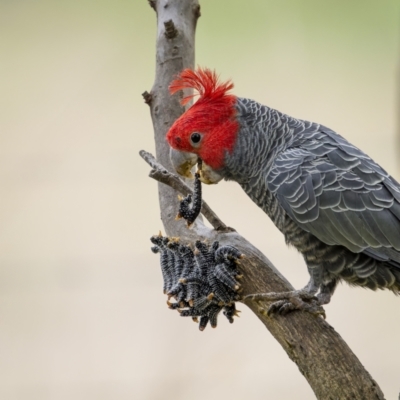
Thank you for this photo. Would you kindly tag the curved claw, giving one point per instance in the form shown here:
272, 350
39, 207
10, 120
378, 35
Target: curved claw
283, 307
286, 302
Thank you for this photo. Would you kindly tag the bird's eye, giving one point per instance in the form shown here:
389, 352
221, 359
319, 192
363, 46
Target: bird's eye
195, 138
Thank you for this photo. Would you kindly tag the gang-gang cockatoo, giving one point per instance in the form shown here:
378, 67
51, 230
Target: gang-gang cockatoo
330, 200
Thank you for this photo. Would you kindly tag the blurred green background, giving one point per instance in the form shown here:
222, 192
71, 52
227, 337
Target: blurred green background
82, 314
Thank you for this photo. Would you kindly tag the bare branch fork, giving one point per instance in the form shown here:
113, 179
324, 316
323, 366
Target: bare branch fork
330, 367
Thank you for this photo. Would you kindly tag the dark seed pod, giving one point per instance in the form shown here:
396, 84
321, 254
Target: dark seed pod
191, 312
188, 260
202, 303
213, 315
168, 278
227, 253
182, 294
171, 270
225, 276
187, 210
203, 322
221, 291
155, 249
230, 312
173, 306
203, 258
179, 263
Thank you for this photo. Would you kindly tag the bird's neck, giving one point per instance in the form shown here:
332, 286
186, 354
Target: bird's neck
263, 134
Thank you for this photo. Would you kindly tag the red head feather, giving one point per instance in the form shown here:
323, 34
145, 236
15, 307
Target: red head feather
213, 116
204, 81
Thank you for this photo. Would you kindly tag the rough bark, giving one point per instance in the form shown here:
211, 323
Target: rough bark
397, 116
330, 367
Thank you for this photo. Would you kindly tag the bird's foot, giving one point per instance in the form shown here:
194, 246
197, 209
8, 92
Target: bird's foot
285, 302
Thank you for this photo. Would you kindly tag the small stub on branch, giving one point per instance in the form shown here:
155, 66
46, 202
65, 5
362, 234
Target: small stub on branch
152, 4
196, 10
170, 30
147, 97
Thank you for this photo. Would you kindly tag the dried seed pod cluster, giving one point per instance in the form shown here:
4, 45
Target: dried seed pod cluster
203, 281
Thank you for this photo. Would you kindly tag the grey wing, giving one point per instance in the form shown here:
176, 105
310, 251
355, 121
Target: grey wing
339, 194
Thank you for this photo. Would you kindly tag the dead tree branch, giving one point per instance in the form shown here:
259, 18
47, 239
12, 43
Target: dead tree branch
328, 364
161, 174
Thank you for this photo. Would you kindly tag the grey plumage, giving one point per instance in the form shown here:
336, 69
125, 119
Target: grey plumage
331, 201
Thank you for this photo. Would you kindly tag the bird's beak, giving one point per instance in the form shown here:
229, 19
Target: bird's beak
183, 162
208, 175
